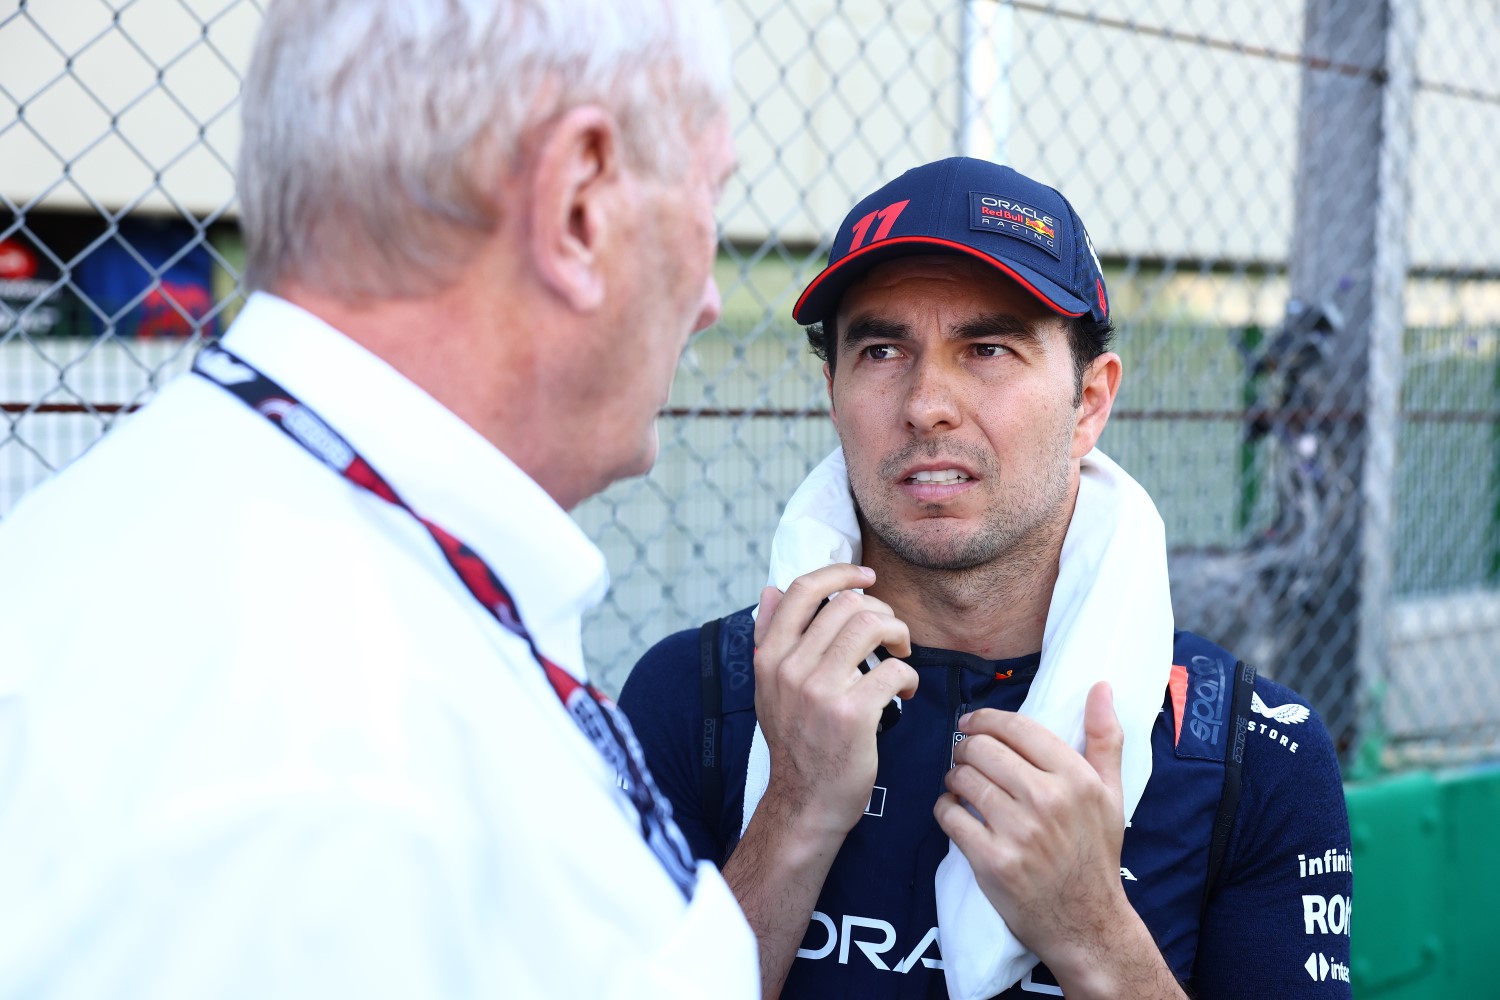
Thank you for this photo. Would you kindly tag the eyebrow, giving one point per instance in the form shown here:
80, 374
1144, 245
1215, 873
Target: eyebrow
870, 329
998, 326
994, 326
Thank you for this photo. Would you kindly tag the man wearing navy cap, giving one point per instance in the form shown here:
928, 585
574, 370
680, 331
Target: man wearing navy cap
959, 748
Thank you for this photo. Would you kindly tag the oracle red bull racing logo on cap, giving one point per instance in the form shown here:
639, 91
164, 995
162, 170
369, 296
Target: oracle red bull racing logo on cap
996, 214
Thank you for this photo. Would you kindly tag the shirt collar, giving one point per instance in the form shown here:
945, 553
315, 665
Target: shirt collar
440, 465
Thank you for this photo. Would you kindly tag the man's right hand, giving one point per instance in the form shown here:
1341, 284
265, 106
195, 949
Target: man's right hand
818, 711
819, 714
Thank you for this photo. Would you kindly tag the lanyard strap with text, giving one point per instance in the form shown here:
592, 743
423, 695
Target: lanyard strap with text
601, 721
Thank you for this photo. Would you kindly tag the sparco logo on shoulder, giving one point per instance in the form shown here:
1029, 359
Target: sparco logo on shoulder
1208, 698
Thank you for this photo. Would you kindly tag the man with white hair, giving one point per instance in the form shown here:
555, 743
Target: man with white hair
327, 733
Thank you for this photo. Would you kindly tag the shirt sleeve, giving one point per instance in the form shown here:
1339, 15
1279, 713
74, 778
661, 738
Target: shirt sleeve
1278, 925
662, 698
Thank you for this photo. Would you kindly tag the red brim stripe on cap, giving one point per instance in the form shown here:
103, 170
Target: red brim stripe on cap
930, 241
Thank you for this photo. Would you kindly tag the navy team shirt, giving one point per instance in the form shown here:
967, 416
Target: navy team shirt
1275, 924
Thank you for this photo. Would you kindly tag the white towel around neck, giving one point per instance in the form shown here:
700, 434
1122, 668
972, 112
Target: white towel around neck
1110, 619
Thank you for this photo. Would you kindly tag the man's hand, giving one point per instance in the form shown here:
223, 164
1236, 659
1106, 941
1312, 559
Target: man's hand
818, 711
1047, 851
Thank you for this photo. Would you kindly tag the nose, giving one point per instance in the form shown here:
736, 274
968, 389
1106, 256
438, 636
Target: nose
711, 307
931, 404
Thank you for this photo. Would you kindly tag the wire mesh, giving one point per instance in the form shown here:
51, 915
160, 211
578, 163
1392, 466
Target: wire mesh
1292, 200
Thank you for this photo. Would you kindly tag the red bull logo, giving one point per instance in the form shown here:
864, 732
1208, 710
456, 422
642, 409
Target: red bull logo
1039, 227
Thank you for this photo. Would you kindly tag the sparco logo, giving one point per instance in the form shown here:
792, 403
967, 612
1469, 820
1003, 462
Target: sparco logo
738, 636
1208, 699
710, 742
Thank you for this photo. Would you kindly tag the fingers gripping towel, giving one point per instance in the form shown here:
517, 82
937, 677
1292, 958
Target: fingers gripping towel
1110, 620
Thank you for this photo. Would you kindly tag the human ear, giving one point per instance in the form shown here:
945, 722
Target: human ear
833, 411
573, 180
1101, 382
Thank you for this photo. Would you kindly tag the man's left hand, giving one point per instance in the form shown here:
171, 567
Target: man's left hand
1046, 852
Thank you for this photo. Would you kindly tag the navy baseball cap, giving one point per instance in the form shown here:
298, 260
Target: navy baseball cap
973, 208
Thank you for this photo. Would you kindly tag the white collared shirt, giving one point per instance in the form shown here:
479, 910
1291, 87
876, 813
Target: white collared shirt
256, 739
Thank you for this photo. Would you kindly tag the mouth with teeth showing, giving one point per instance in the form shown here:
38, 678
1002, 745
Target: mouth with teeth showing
940, 477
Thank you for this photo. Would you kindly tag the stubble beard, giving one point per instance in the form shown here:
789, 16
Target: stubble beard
1005, 534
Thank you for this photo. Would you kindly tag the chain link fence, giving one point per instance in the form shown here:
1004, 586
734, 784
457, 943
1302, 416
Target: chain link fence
1292, 200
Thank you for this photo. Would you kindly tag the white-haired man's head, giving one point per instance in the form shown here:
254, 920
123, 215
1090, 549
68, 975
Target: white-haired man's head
375, 129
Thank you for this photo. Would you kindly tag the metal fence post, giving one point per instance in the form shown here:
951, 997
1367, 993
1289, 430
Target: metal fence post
1494, 574
985, 57
1349, 249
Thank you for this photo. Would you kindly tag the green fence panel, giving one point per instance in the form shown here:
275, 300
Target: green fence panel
1471, 812
1397, 851
1424, 885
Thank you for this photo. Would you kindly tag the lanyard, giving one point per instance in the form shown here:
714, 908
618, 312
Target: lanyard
601, 721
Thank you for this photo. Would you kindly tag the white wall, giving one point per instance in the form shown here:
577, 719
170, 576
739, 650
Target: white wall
145, 119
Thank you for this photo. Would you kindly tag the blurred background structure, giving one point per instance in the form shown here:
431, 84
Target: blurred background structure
1295, 207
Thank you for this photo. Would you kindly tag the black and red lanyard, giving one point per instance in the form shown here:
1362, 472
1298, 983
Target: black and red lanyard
601, 721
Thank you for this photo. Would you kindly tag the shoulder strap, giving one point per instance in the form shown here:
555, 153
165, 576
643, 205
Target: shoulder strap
1234, 765
711, 758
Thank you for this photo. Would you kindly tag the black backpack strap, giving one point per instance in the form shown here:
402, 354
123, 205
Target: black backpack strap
711, 756
1234, 765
